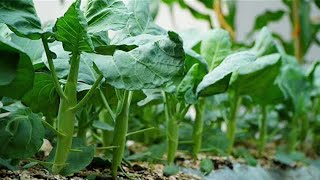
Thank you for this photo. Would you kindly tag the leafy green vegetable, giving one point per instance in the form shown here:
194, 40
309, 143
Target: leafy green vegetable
106, 15
21, 134
206, 166
71, 30
20, 16
215, 46
16, 71
158, 61
217, 81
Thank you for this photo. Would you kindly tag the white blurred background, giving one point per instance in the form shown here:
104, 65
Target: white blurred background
181, 19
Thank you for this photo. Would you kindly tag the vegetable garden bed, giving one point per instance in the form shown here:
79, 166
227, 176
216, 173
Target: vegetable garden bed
105, 93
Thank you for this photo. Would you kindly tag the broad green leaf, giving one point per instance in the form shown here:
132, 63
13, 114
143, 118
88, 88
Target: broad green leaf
305, 25
33, 48
145, 67
154, 8
187, 87
195, 58
20, 16
215, 46
152, 95
5, 32
258, 75
206, 166
21, 134
16, 71
170, 170
267, 17
43, 96
264, 44
7, 164
317, 2
217, 81
140, 21
292, 82
104, 15
77, 159
71, 30
102, 125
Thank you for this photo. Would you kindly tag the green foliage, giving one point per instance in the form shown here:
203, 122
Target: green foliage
21, 134
109, 69
79, 157
206, 166
217, 81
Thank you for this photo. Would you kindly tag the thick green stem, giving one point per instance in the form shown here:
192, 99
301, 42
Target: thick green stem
120, 131
232, 124
172, 138
172, 130
66, 117
263, 130
198, 127
293, 134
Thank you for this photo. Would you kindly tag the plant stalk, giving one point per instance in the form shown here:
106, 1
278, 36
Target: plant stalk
293, 134
198, 127
120, 133
232, 124
66, 117
263, 130
304, 129
52, 69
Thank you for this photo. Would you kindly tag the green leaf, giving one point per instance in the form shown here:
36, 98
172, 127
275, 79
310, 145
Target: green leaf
195, 58
33, 48
152, 95
104, 15
21, 134
206, 166
258, 75
43, 96
140, 21
267, 17
215, 46
7, 163
102, 125
292, 82
170, 170
305, 25
217, 81
71, 30
77, 160
154, 8
317, 2
20, 16
145, 67
264, 44
16, 71
187, 87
